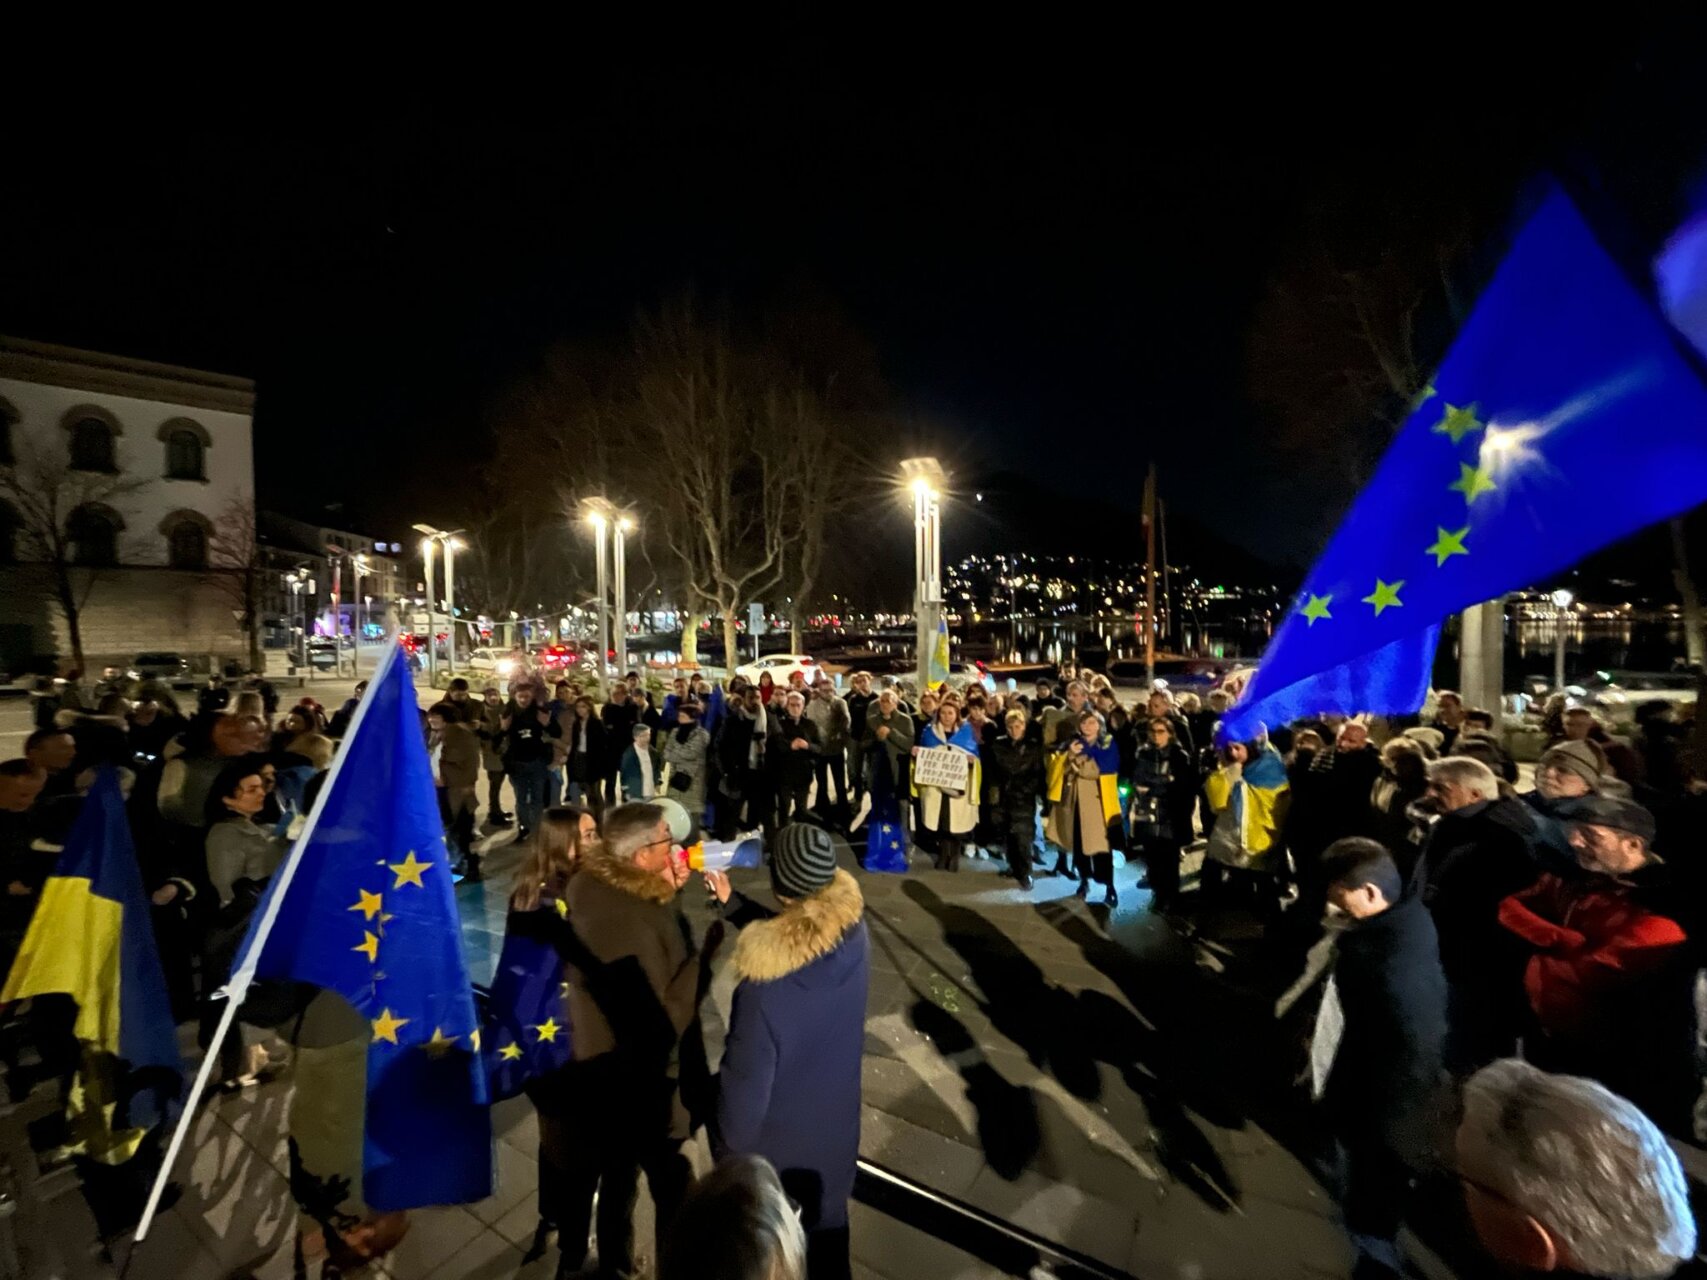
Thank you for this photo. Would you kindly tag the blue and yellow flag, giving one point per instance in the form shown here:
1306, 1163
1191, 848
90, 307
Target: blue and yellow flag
1564, 418
365, 908
938, 668
91, 939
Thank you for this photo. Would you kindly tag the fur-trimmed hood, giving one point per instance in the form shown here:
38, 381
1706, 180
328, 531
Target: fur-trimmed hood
802, 933
623, 876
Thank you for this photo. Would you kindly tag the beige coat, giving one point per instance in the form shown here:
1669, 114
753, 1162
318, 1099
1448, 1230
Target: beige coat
1084, 793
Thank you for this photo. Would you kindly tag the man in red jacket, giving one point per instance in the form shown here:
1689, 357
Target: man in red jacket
1608, 983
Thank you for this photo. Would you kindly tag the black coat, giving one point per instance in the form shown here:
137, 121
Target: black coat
1016, 770
1473, 860
1393, 994
619, 722
793, 768
1170, 779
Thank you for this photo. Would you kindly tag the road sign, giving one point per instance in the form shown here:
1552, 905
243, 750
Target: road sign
755, 619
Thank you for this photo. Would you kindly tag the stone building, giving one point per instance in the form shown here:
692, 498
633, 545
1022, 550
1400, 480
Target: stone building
126, 490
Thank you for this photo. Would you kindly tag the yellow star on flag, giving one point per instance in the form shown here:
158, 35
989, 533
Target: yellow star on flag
562, 908
409, 871
1446, 545
369, 905
1316, 607
1458, 422
474, 1039
369, 944
1472, 482
510, 1052
385, 1027
1385, 594
548, 1029
440, 1044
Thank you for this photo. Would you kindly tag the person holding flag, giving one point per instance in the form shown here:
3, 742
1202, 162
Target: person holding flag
91, 940
1083, 777
362, 909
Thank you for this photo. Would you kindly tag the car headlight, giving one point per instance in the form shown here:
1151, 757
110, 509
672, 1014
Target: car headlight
506, 665
133, 675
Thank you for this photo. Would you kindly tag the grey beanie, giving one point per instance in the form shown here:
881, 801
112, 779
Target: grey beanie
803, 860
1581, 758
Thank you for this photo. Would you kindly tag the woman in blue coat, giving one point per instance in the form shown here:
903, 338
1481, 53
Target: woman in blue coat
790, 1081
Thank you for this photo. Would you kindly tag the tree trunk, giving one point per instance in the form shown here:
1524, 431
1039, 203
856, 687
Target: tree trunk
690, 637
731, 654
1694, 625
67, 593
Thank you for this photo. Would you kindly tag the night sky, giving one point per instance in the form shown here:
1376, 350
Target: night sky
1060, 247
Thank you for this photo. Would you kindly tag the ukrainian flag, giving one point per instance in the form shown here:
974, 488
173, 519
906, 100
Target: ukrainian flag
91, 939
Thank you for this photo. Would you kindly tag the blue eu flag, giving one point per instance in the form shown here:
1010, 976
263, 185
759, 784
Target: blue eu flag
369, 912
1563, 418
527, 1017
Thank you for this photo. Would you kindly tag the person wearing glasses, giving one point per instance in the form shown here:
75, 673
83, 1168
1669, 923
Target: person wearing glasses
631, 999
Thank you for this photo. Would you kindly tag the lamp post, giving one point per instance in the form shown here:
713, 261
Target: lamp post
621, 526
597, 518
302, 594
427, 545
359, 567
1561, 601
924, 479
334, 557
452, 544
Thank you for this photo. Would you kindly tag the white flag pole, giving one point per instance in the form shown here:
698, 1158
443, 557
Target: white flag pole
244, 975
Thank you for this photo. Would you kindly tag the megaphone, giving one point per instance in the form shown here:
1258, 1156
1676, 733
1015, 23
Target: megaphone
721, 855
680, 823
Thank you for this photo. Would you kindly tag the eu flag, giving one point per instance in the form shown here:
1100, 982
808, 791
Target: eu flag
527, 1016
1564, 418
365, 908
91, 939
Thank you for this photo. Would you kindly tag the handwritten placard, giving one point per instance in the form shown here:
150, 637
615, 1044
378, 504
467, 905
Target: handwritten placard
942, 767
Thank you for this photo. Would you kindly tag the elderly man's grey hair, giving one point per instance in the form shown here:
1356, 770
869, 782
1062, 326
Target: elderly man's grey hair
1584, 1163
1474, 776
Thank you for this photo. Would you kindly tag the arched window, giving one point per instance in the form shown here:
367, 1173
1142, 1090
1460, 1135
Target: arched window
94, 533
184, 455
186, 546
92, 446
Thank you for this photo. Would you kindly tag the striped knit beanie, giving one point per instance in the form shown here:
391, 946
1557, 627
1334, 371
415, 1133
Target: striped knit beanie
803, 860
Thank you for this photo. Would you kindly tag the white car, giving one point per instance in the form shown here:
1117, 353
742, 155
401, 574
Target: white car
1617, 694
781, 666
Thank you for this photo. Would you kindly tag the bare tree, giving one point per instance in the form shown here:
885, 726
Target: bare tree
48, 494
234, 557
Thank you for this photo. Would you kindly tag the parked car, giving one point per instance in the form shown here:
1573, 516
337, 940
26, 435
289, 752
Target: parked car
960, 675
170, 668
551, 658
781, 666
1617, 694
323, 654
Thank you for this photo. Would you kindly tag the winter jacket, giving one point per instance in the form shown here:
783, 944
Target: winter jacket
834, 723
237, 849
1475, 858
1016, 769
459, 757
859, 705
948, 812
1392, 994
530, 735
583, 747
619, 721
794, 769
685, 750
635, 1008
635, 773
487, 723
1254, 799
1609, 983
1164, 793
790, 1082
899, 743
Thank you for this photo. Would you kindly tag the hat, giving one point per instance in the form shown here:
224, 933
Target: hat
803, 860
1621, 815
1581, 758
1426, 736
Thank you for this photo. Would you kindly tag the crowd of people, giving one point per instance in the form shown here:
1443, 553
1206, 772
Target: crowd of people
1481, 937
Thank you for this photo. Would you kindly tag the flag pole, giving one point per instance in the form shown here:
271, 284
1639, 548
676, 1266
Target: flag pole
237, 987
1150, 577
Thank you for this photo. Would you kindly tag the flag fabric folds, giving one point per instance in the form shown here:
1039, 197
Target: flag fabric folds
1564, 418
527, 1016
938, 667
91, 939
369, 913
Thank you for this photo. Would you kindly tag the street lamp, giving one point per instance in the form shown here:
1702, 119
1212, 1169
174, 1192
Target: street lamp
302, 593
1561, 600
622, 526
924, 478
427, 545
452, 544
597, 513
358, 566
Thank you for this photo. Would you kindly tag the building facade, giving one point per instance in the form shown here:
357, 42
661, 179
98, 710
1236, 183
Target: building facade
307, 564
126, 497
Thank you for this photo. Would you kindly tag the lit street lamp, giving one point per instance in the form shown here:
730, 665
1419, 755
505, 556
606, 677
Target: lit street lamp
359, 566
302, 592
924, 479
1562, 601
597, 516
452, 544
427, 544
621, 526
